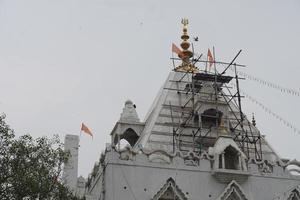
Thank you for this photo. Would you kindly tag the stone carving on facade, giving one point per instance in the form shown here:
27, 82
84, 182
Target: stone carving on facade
294, 195
266, 167
169, 189
292, 162
293, 166
191, 159
295, 171
126, 153
161, 156
233, 191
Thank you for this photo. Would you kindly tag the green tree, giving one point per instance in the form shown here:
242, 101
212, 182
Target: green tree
31, 168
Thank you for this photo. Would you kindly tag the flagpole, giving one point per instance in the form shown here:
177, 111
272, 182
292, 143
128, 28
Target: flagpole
173, 60
216, 98
206, 62
80, 133
214, 56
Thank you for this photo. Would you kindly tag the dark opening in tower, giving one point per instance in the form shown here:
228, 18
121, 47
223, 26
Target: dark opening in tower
211, 118
231, 158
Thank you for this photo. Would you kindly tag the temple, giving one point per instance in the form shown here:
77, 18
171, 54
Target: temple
195, 143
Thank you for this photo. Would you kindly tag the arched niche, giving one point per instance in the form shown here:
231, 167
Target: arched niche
231, 158
227, 155
128, 135
211, 118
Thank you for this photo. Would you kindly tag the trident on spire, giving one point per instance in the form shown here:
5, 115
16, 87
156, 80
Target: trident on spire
186, 54
185, 21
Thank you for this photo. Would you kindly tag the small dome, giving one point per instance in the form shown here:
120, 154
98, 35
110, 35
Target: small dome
128, 102
129, 113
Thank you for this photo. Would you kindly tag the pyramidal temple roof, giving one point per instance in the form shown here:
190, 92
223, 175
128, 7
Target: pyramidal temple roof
196, 105
186, 119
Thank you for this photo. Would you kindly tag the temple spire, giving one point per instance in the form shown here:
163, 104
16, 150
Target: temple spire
185, 44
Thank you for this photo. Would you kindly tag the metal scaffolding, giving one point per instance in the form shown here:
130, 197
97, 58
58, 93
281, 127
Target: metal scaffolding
185, 115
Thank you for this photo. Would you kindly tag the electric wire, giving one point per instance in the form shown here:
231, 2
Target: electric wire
269, 84
269, 111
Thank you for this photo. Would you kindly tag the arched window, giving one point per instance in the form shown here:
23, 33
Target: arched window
231, 158
129, 136
211, 118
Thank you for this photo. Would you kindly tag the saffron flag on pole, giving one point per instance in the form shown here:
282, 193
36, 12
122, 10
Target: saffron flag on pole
175, 49
85, 129
210, 58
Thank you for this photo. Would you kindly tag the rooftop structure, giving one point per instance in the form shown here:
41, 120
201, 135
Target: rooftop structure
195, 143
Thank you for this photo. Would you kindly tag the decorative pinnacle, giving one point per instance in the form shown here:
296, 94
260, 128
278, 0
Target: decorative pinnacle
186, 54
253, 120
185, 43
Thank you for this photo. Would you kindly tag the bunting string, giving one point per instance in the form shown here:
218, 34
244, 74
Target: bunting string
269, 111
267, 83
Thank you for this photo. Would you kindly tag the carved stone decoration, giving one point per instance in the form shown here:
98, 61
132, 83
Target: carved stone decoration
169, 191
296, 171
294, 195
233, 191
265, 167
191, 159
126, 155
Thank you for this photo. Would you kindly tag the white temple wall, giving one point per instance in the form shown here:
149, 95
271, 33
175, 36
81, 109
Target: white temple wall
141, 179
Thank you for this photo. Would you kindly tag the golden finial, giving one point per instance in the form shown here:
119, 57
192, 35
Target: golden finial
186, 54
222, 128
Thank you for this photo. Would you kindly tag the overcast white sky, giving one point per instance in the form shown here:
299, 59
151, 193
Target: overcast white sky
63, 62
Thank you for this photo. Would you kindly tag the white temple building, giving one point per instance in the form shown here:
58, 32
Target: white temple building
195, 144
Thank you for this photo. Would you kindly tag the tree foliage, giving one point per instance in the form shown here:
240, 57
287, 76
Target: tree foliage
31, 168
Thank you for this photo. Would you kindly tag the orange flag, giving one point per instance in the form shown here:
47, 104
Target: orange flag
85, 129
210, 58
175, 49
